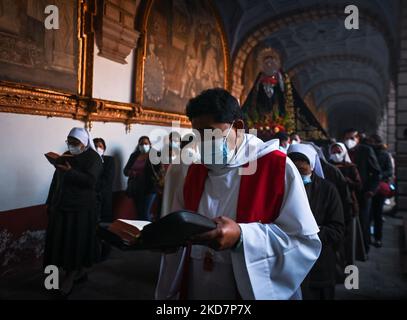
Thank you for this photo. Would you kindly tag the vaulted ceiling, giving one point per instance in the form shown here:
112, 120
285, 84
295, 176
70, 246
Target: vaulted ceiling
347, 73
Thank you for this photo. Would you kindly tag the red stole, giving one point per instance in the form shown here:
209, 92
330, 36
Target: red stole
260, 196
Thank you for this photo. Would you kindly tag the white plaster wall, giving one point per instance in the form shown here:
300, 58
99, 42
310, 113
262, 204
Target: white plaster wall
25, 174
111, 80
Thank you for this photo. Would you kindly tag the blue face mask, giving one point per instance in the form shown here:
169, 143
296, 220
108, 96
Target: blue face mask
306, 179
220, 150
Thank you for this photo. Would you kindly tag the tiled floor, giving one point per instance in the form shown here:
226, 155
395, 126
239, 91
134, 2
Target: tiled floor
125, 275
132, 275
380, 277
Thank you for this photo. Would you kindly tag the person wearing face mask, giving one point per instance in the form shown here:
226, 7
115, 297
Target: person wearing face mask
339, 157
266, 237
386, 165
105, 183
334, 175
170, 153
364, 157
143, 179
284, 139
295, 138
178, 170
72, 210
326, 206
189, 147
169, 162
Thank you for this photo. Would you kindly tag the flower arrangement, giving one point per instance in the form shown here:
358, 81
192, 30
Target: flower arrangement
271, 124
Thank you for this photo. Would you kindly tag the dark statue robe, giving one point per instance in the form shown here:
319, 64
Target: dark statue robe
71, 233
258, 103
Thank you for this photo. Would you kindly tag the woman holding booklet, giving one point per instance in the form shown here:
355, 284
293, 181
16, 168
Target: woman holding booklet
71, 205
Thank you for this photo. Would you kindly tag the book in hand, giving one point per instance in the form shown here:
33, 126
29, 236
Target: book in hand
56, 159
172, 231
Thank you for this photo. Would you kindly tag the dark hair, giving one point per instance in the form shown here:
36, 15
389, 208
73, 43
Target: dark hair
218, 103
376, 139
142, 138
297, 156
282, 136
350, 130
100, 140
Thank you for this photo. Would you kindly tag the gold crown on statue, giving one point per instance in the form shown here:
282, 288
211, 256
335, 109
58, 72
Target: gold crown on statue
269, 53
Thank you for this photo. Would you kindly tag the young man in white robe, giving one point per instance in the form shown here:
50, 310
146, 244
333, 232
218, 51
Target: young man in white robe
266, 239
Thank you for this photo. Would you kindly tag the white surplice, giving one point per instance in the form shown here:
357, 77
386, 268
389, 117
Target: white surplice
274, 258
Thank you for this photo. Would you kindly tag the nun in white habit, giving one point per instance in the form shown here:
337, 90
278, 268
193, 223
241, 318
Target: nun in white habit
326, 205
70, 239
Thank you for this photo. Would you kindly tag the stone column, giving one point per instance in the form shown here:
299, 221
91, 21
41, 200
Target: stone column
391, 119
401, 117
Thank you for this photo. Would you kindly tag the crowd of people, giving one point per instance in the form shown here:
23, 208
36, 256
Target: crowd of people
347, 194
335, 191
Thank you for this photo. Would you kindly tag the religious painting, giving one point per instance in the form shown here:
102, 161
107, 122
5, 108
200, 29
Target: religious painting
31, 54
185, 54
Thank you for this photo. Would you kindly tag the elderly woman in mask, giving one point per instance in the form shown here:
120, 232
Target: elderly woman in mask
339, 157
71, 240
178, 170
326, 206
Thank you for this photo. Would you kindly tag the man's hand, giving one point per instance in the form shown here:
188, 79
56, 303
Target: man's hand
224, 237
65, 167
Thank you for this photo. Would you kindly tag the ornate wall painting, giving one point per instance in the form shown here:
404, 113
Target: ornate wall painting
57, 83
185, 53
31, 54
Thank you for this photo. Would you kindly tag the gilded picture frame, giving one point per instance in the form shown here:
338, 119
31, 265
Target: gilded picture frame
30, 99
25, 98
142, 54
